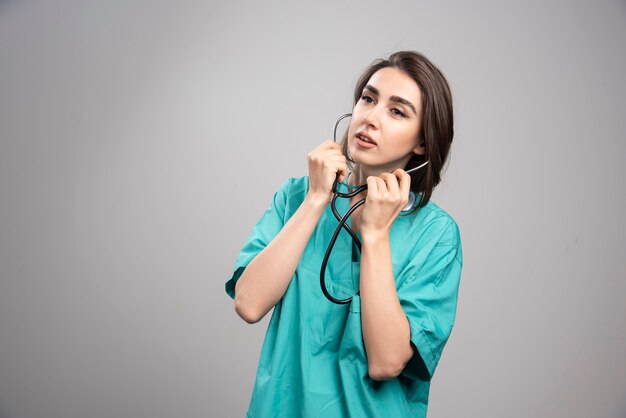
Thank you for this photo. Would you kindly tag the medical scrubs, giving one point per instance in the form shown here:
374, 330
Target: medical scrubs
313, 361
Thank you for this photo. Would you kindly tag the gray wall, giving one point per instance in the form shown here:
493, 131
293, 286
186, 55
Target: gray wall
141, 141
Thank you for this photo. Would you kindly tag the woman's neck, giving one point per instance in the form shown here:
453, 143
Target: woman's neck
360, 174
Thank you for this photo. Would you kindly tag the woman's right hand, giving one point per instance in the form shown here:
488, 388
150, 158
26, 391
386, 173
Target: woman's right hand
325, 162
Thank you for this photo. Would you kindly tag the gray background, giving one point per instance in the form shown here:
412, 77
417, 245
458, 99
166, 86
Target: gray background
141, 141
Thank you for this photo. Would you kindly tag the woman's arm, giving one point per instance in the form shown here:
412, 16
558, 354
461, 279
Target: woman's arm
386, 330
266, 278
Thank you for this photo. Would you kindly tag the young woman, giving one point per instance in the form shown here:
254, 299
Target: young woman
374, 356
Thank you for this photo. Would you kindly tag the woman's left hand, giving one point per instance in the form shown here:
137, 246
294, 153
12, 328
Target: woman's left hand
387, 195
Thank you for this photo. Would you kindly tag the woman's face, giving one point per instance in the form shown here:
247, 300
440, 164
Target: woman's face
389, 114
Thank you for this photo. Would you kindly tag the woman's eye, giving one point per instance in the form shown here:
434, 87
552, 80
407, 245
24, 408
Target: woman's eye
367, 98
398, 112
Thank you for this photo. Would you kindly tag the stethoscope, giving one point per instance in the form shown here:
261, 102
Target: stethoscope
343, 219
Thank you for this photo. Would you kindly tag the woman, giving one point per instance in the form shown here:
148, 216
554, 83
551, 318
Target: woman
376, 355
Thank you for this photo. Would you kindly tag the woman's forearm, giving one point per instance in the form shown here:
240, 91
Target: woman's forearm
267, 276
386, 331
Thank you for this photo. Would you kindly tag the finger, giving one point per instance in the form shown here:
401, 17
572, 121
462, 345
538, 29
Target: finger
392, 183
333, 151
330, 144
343, 172
335, 157
372, 185
328, 155
338, 166
382, 190
405, 182
326, 145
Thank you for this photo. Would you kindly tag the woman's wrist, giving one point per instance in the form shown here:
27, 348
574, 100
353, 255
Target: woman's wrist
316, 200
370, 236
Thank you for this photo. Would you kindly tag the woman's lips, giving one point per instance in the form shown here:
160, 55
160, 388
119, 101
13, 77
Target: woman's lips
364, 144
365, 135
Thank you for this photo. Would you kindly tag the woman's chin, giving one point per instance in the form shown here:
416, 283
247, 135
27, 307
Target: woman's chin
358, 157
356, 154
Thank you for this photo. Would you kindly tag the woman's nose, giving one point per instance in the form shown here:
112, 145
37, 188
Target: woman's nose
371, 116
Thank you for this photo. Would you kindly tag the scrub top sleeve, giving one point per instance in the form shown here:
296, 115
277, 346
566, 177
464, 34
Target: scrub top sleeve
428, 297
266, 228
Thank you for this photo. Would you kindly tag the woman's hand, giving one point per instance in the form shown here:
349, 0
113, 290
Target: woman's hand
387, 195
325, 162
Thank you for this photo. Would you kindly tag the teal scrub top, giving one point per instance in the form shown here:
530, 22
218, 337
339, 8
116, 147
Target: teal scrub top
313, 361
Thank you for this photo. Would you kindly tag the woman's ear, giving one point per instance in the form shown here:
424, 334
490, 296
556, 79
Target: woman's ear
420, 149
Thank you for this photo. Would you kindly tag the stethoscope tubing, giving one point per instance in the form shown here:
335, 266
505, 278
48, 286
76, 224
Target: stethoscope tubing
342, 224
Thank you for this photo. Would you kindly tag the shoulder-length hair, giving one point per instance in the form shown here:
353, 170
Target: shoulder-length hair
436, 128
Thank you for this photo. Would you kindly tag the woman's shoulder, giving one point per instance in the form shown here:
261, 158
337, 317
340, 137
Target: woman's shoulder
435, 212
434, 220
294, 188
298, 185
292, 193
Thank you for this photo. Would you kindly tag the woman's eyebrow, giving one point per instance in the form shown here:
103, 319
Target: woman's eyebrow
396, 99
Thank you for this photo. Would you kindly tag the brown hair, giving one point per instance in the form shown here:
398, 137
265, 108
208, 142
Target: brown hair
436, 128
